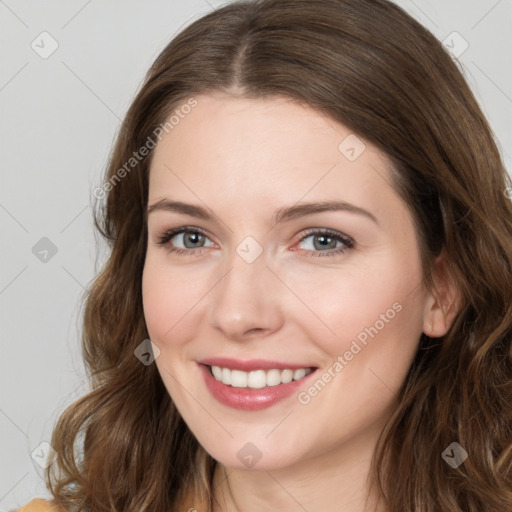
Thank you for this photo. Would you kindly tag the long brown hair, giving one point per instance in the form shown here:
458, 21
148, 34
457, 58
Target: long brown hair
367, 64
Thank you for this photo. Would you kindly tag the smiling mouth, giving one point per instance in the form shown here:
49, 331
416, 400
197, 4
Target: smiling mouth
257, 379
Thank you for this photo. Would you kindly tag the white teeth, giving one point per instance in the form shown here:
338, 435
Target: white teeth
217, 372
298, 374
226, 376
286, 376
257, 379
273, 377
238, 378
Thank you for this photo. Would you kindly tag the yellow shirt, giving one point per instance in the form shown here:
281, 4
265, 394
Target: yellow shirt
39, 505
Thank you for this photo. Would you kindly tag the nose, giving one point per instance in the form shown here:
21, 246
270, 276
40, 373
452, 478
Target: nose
245, 303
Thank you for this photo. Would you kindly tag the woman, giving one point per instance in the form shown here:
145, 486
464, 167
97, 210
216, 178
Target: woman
341, 336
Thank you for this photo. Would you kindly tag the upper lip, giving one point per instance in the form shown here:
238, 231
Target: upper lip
251, 364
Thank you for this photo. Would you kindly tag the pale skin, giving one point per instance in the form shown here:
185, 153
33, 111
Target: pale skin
242, 159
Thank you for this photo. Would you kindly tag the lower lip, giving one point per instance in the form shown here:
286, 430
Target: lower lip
248, 399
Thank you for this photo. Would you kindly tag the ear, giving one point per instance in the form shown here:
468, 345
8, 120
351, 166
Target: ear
443, 304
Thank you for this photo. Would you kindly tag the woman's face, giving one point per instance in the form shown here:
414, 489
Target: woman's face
261, 294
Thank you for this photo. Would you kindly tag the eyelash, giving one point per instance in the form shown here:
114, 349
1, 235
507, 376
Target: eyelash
165, 238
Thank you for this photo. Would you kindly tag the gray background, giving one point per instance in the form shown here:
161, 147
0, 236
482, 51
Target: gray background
59, 118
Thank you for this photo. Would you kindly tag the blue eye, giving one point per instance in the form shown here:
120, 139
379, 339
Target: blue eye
196, 237
326, 238
328, 242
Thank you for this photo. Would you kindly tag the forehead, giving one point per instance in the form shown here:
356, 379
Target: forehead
266, 151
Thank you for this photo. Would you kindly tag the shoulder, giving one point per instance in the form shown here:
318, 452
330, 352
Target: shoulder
40, 505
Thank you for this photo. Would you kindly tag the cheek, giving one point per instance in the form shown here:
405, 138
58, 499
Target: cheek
378, 329
169, 298
372, 314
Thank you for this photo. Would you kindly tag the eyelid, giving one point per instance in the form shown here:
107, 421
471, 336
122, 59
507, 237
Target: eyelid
167, 235
329, 232
347, 241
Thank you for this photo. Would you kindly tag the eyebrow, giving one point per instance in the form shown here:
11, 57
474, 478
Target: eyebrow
280, 215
